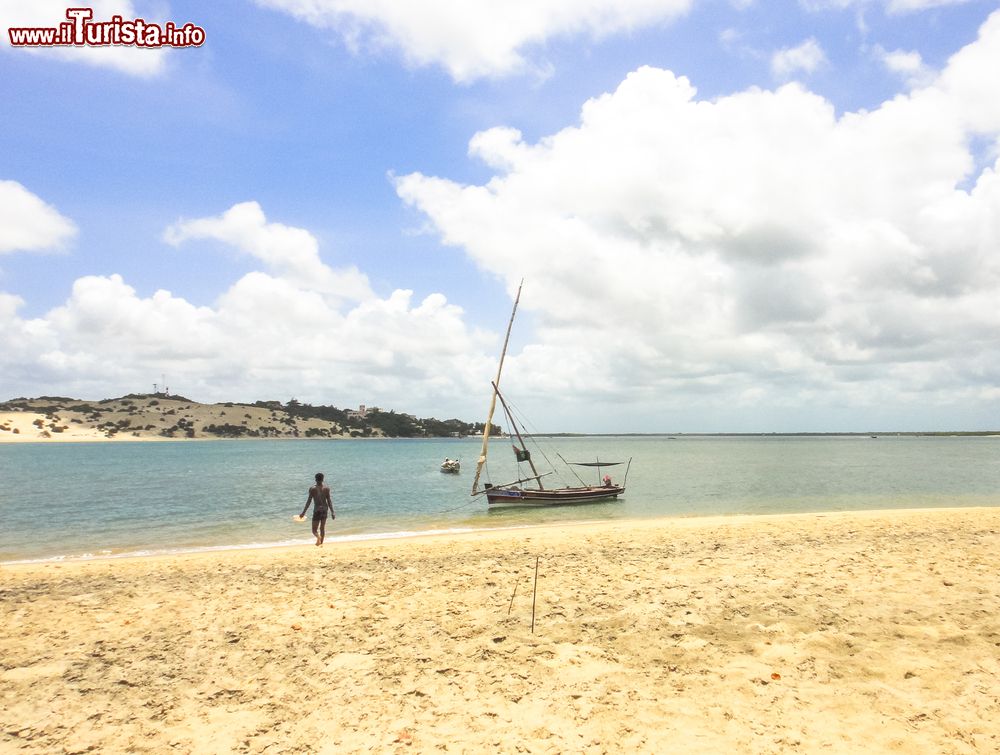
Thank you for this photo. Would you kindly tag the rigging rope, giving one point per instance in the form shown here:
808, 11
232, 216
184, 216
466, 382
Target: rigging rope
514, 409
456, 508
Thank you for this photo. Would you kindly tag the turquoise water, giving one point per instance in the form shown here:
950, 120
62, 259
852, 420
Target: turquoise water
77, 500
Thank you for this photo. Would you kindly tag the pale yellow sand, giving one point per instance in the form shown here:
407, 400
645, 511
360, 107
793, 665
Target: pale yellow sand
145, 418
845, 633
35, 427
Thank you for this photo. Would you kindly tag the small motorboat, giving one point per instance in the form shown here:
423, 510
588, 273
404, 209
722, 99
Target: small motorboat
451, 466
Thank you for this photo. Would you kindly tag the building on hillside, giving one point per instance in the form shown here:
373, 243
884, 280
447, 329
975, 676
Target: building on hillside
362, 412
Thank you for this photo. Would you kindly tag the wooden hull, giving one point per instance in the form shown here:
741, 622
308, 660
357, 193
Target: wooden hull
517, 497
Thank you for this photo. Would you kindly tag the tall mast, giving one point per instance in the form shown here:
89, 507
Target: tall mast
493, 398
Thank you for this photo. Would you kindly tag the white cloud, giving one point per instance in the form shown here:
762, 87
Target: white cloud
891, 6
908, 65
28, 224
906, 6
299, 327
133, 61
729, 37
806, 57
475, 38
969, 79
680, 250
291, 252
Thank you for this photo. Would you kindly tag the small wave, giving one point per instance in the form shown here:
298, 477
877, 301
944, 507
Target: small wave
359, 537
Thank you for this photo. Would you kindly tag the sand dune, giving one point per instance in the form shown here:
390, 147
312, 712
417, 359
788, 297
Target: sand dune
150, 417
860, 632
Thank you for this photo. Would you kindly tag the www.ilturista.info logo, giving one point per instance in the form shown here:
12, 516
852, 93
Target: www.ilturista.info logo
81, 30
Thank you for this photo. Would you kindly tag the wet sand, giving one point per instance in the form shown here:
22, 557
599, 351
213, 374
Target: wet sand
848, 632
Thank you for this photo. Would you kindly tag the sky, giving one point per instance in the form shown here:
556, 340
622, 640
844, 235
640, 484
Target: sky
729, 215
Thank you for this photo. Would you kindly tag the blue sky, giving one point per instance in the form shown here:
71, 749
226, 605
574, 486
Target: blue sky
740, 216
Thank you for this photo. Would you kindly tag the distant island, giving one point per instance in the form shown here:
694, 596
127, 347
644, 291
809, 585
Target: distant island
160, 416
844, 434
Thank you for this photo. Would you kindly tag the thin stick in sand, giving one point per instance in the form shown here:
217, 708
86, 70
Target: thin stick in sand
512, 599
534, 593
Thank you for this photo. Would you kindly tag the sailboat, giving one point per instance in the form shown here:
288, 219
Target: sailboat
517, 493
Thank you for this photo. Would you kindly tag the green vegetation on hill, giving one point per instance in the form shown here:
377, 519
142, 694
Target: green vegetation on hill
174, 416
389, 423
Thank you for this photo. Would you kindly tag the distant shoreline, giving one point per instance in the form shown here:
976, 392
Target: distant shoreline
161, 416
9, 439
874, 435
158, 417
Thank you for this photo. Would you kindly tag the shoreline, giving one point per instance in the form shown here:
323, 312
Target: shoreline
211, 439
95, 436
143, 416
843, 631
335, 540
457, 532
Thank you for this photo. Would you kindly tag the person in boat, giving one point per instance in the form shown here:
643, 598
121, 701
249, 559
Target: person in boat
607, 481
322, 503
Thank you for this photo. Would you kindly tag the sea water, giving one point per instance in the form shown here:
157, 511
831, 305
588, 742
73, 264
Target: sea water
112, 499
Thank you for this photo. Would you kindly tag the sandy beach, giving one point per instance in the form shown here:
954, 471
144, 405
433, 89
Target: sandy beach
847, 632
148, 418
